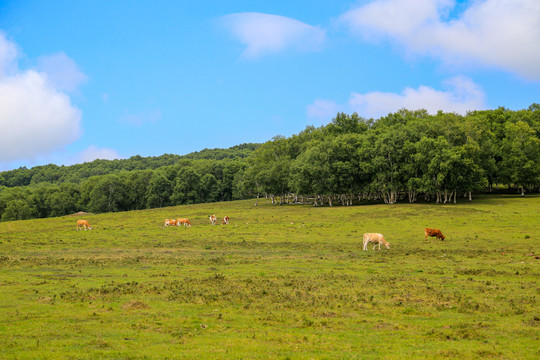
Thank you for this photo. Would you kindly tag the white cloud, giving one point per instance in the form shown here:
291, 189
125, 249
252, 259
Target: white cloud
462, 95
8, 56
35, 118
266, 34
498, 33
92, 153
62, 72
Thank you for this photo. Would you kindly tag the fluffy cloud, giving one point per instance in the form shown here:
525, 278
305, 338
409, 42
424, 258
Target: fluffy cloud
62, 72
266, 34
462, 95
93, 153
8, 56
35, 117
498, 33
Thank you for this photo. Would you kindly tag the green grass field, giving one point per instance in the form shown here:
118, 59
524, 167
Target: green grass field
278, 282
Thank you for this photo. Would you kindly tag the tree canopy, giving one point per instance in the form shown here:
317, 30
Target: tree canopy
404, 156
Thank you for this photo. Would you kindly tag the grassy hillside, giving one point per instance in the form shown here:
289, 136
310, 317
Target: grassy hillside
278, 282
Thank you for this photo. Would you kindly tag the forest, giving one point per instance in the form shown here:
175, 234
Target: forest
404, 156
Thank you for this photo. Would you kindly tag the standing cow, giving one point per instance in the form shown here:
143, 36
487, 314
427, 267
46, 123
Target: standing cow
184, 222
375, 238
225, 220
434, 233
83, 224
213, 219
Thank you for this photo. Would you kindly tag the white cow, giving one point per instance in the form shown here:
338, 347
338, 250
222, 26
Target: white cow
375, 238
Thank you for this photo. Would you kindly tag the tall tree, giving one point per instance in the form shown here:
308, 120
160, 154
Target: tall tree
520, 152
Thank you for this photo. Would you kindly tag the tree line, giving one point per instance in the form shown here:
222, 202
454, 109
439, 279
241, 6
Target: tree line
407, 155
404, 156
120, 185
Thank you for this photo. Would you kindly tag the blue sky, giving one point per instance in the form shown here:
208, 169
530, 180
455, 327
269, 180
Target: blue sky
81, 80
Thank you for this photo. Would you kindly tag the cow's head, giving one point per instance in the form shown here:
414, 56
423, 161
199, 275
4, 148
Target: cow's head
387, 245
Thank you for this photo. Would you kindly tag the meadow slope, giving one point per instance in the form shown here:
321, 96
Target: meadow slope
283, 282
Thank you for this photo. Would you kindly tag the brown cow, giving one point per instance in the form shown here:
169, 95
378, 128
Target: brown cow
376, 239
225, 220
83, 224
171, 222
183, 221
213, 219
434, 233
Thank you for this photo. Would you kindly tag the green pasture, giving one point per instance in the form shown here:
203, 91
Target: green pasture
278, 282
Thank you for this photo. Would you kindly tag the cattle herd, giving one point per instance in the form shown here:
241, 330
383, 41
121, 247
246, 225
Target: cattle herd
374, 238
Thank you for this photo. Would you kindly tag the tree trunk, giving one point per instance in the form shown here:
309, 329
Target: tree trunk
257, 202
470, 195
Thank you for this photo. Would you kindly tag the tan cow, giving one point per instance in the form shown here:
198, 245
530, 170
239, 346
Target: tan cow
183, 221
225, 220
434, 233
213, 219
376, 239
83, 224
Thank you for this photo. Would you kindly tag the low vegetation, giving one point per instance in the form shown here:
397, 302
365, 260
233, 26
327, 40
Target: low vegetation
288, 282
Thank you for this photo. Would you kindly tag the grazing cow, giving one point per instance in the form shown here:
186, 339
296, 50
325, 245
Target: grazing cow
213, 219
171, 222
376, 239
183, 221
83, 224
225, 220
434, 232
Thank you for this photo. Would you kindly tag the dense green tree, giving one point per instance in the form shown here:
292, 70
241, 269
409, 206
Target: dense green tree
17, 210
209, 188
520, 152
137, 183
108, 195
187, 188
159, 190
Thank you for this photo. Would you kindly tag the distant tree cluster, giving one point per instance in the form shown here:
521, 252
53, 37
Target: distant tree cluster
405, 155
119, 185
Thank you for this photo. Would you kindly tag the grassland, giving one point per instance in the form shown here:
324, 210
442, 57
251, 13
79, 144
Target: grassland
279, 282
